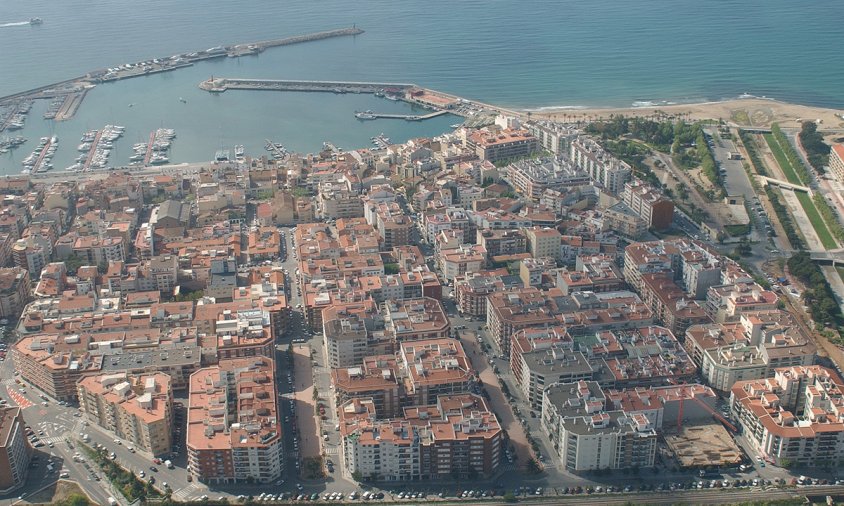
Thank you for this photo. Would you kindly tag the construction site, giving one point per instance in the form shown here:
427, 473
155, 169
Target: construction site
708, 445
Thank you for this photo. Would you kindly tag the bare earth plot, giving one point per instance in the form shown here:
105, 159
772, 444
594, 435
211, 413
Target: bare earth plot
704, 445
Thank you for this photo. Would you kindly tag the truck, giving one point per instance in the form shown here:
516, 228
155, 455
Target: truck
112, 501
169, 464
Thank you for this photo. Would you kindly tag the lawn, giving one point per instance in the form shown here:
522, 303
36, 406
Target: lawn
817, 221
782, 160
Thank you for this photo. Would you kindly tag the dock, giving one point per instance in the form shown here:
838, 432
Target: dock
93, 150
71, 104
150, 143
410, 117
37, 167
219, 85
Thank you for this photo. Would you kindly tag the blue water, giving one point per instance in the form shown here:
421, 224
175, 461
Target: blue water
527, 54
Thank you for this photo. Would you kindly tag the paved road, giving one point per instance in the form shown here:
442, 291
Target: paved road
56, 426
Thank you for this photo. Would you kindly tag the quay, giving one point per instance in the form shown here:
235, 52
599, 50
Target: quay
219, 85
71, 104
409, 117
256, 47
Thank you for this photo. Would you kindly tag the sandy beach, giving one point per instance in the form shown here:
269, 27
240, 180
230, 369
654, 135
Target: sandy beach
740, 112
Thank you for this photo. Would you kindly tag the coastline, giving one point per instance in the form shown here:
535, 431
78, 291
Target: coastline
744, 112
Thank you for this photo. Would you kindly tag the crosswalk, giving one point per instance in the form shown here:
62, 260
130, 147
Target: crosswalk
187, 492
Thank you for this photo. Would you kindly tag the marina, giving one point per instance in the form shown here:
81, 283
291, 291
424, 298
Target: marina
40, 159
98, 144
277, 150
9, 143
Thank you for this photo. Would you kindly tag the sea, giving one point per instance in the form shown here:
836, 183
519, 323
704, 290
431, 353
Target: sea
529, 54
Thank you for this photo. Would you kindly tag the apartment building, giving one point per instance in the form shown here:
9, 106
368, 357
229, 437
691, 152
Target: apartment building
544, 242
532, 177
542, 367
752, 348
462, 260
136, 408
670, 304
15, 450
435, 367
378, 378
591, 273
234, 433
497, 145
502, 242
351, 332
649, 204
509, 311
416, 319
60, 353
604, 169
690, 263
836, 161
622, 220
642, 357
456, 435
588, 437
14, 291
794, 418
472, 289
536, 271
726, 303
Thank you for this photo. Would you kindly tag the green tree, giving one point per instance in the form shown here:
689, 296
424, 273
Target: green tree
73, 263
509, 497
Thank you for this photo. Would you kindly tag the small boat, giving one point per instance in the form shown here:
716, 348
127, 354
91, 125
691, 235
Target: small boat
131, 105
183, 100
394, 98
457, 125
238, 151
36, 21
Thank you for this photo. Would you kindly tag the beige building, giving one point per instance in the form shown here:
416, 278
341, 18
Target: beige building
234, 434
836, 161
14, 291
15, 451
136, 408
795, 418
544, 242
589, 437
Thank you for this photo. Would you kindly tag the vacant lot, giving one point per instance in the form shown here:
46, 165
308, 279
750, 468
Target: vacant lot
704, 445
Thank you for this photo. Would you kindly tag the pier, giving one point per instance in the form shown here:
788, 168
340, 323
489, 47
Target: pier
409, 117
148, 154
37, 167
219, 85
93, 150
72, 101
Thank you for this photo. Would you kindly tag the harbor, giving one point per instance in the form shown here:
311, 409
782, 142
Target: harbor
68, 95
